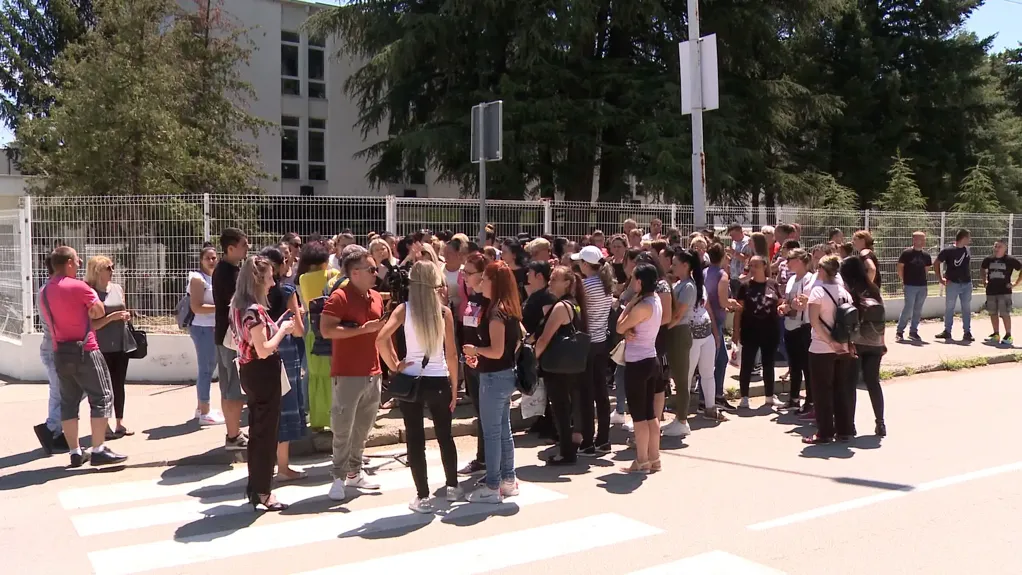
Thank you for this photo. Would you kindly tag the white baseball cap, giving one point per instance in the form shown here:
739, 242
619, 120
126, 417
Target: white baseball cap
590, 255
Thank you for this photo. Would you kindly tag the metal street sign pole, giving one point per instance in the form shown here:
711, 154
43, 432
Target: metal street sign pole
482, 175
487, 135
698, 155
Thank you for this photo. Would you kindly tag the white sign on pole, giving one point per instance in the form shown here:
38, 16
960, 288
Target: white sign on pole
708, 75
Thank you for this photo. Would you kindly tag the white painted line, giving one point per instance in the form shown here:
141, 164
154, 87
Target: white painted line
886, 496
712, 563
506, 550
233, 503
326, 527
128, 492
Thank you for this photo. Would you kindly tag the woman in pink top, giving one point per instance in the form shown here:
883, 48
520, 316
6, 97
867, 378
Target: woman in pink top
830, 361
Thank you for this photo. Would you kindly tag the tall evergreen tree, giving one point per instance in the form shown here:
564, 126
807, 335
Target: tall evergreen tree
977, 193
902, 193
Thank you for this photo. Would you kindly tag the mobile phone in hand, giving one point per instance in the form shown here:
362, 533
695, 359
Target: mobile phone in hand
286, 316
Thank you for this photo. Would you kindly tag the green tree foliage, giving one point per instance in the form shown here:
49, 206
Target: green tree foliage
902, 193
32, 34
977, 194
140, 107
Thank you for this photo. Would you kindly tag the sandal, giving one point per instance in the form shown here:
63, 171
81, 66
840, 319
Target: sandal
636, 467
123, 431
287, 477
715, 414
655, 466
817, 439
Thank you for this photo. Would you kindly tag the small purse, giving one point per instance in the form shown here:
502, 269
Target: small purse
404, 387
617, 355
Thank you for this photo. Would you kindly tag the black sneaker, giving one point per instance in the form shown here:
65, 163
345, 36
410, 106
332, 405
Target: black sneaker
725, 404
943, 335
794, 404
107, 457
587, 451
561, 460
60, 444
604, 449
45, 437
915, 337
79, 459
899, 336
472, 468
968, 336
239, 443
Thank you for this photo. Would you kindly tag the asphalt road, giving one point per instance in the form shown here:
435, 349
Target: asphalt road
940, 495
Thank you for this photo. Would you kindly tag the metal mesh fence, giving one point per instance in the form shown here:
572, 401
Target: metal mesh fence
11, 286
155, 241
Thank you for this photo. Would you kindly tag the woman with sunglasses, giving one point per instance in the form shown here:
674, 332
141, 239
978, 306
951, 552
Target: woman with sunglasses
470, 322
112, 334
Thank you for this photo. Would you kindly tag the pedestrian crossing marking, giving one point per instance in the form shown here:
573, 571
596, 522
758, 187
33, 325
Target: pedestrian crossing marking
507, 549
231, 543
197, 509
712, 563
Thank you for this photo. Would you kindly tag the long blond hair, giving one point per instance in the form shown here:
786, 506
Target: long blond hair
427, 316
251, 287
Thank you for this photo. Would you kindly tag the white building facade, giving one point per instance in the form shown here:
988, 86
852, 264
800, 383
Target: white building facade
299, 84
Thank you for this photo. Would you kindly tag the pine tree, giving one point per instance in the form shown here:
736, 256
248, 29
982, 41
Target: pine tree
902, 193
977, 195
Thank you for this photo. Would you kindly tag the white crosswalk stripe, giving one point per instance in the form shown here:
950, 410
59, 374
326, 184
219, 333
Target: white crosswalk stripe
712, 563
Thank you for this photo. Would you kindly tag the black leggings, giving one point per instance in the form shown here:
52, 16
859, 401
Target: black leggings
566, 404
869, 360
641, 380
117, 363
472, 388
434, 393
764, 339
593, 391
797, 341
834, 393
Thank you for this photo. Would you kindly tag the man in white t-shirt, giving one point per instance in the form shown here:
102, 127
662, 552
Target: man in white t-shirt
656, 227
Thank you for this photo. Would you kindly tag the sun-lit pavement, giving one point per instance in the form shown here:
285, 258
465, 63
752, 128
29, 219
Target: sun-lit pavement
940, 495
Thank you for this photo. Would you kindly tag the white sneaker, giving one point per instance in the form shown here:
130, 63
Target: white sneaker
772, 400
455, 494
628, 426
744, 403
617, 418
337, 490
676, 428
508, 488
485, 495
421, 505
214, 417
361, 482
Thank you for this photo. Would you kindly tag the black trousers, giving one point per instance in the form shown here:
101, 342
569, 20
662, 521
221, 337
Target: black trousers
117, 364
593, 391
434, 393
869, 361
563, 391
764, 339
833, 393
472, 388
797, 341
260, 378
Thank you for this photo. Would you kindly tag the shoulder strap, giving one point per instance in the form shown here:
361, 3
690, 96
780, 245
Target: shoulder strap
46, 304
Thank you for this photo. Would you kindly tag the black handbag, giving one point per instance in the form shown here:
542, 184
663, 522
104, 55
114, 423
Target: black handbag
141, 343
526, 372
568, 351
404, 387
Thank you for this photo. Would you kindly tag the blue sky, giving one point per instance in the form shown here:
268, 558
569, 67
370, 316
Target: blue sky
995, 17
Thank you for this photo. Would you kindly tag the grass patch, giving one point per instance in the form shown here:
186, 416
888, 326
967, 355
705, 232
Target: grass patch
886, 374
963, 363
732, 393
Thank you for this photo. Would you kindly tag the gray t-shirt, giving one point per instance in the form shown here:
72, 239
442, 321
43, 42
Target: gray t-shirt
685, 293
740, 247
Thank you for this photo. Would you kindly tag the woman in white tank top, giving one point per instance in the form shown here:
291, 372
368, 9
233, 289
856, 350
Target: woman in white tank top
431, 349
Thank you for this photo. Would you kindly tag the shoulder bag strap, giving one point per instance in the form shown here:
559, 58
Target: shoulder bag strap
46, 304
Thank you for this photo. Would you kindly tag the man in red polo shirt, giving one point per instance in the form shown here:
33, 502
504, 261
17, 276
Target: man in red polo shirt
351, 317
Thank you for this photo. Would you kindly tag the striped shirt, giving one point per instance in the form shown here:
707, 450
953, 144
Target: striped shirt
598, 304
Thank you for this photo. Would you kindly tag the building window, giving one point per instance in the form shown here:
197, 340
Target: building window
317, 149
289, 163
316, 69
290, 83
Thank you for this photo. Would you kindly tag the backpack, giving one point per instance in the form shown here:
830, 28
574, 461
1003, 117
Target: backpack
871, 317
183, 312
321, 345
846, 320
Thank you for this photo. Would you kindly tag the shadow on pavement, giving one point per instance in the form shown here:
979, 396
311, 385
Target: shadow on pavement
874, 484
620, 483
169, 431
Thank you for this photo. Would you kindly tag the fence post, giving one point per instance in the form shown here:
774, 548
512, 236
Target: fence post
390, 217
1011, 230
865, 220
943, 226
548, 216
206, 235
27, 289
674, 216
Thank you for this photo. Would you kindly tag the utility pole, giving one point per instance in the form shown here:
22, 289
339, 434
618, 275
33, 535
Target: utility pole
698, 155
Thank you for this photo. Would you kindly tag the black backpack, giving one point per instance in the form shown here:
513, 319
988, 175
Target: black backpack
320, 345
846, 320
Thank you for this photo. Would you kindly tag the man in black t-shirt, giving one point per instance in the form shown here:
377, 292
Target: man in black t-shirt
957, 279
913, 266
997, 271
234, 244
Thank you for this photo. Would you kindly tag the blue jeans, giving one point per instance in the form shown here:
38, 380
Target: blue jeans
720, 362
495, 391
958, 292
915, 296
53, 407
205, 356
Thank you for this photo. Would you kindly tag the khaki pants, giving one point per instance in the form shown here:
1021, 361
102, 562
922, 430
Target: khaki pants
356, 400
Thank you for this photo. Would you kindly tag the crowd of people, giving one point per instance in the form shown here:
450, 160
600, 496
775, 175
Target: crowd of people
314, 335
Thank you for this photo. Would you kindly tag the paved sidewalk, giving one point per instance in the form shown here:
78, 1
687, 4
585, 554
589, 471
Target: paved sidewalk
165, 434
